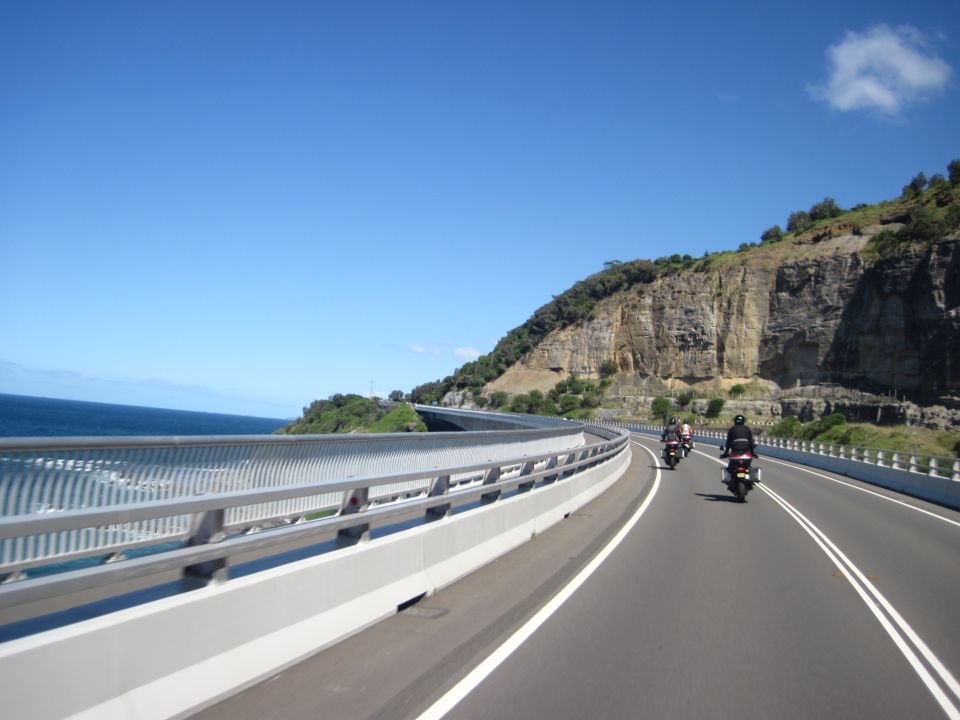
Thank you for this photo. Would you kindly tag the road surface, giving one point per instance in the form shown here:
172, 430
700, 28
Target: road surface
819, 597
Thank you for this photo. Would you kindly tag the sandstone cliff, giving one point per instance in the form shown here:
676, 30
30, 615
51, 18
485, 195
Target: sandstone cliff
813, 322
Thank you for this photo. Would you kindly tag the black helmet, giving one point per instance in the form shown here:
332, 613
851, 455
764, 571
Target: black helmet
739, 420
673, 421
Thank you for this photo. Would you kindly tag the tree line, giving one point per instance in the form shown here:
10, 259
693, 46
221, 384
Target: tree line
802, 220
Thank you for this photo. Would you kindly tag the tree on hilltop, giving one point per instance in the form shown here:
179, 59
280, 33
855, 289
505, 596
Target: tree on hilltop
799, 221
825, 209
953, 170
916, 186
772, 234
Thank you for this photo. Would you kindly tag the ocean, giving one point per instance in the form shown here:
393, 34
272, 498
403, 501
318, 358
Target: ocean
24, 416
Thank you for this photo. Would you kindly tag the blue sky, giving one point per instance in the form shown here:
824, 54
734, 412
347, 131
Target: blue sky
240, 207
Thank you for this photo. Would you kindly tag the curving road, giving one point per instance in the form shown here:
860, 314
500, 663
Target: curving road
821, 597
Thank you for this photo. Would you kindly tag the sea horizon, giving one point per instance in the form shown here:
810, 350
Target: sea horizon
41, 416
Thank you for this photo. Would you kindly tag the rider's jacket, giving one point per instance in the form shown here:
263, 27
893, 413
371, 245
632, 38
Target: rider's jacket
670, 432
740, 432
686, 431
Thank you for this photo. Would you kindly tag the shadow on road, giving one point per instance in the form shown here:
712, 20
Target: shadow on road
662, 467
718, 498
659, 467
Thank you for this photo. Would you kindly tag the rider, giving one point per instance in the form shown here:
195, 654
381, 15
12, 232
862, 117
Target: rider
686, 434
671, 431
739, 431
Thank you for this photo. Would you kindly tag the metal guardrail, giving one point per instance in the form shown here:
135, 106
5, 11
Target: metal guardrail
202, 501
923, 464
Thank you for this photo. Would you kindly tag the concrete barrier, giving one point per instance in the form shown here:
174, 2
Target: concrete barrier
940, 490
175, 656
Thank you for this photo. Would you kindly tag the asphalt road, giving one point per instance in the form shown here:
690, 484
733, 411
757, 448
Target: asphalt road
819, 597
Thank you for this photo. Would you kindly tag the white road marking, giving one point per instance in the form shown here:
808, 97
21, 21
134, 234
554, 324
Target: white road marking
861, 489
863, 586
463, 688
798, 466
894, 623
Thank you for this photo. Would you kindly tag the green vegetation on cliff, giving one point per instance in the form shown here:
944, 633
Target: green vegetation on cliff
835, 429
926, 211
572, 398
354, 414
572, 306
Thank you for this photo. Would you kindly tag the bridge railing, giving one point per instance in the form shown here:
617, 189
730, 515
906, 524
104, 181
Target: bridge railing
921, 463
197, 502
931, 477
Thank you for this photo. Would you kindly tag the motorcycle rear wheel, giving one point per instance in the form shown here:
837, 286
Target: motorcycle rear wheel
741, 491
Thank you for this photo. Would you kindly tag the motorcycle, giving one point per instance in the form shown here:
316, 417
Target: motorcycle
739, 475
686, 445
671, 452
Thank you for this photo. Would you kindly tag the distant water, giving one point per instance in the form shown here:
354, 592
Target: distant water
23, 416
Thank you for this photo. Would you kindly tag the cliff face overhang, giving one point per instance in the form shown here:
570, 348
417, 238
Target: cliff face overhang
822, 316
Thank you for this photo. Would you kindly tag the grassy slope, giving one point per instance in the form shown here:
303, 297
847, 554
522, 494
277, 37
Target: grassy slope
900, 438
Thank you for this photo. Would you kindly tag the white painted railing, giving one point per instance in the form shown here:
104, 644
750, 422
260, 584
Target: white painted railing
930, 477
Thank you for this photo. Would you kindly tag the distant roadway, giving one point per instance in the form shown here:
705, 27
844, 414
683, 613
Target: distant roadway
821, 597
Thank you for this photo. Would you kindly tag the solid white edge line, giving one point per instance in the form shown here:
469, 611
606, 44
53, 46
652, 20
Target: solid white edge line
941, 670
463, 688
797, 466
905, 627
848, 569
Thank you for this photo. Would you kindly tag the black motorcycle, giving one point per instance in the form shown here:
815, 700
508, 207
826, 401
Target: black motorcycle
739, 475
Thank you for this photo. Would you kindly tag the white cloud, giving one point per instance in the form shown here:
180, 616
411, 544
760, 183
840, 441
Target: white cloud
468, 353
882, 69
417, 349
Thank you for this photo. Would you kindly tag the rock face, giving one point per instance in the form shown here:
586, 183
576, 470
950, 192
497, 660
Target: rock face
817, 316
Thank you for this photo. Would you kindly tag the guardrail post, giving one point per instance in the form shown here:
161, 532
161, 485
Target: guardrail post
956, 470
880, 462
551, 464
489, 478
440, 486
914, 467
570, 459
896, 464
586, 455
208, 529
355, 501
527, 469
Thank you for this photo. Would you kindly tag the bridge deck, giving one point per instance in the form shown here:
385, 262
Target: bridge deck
391, 669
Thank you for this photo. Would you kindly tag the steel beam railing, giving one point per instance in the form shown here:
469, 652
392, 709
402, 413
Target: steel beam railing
198, 502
